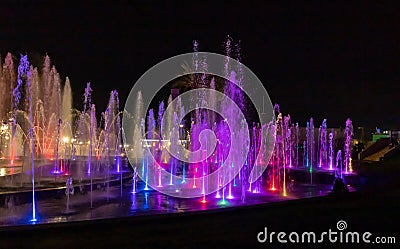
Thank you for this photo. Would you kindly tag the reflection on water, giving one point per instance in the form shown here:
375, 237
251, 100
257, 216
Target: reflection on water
52, 209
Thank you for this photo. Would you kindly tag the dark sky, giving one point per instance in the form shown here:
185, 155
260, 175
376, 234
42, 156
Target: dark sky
321, 60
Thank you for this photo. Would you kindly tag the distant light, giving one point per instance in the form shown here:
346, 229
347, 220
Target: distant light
223, 203
2, 172
203, 200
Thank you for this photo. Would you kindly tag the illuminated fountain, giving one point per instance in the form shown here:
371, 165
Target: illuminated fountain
201, 120
65, 148
41, 130
24, 77
323, 146
339, 164
296, 144
331, 151
347, 146
310, 144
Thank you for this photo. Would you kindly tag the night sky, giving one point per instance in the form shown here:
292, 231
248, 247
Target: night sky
321, 60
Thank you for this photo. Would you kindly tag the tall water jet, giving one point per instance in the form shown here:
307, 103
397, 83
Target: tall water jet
287, 150
166, 128
111, 133
310, 144
107, 133
16, 93
199, 119
322, 144
8, 79
232, 91
331, 150
55, 98
213, 103
174, 142
47, 84
32, 141
66, 105
151, 126
35, 90
279, 152
92, 132
310, 147
162, 151
8, 109
53, 109
306, 146
347, 145
134, 180
116, 129
138, 131
287, 135
56, 154
118, 150
24, 76
228, 50
168, 121
194, 145
239, 76
339, 164
85, 133
87, 98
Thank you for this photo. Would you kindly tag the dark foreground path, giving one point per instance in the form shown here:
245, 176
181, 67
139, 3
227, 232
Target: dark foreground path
375, 209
